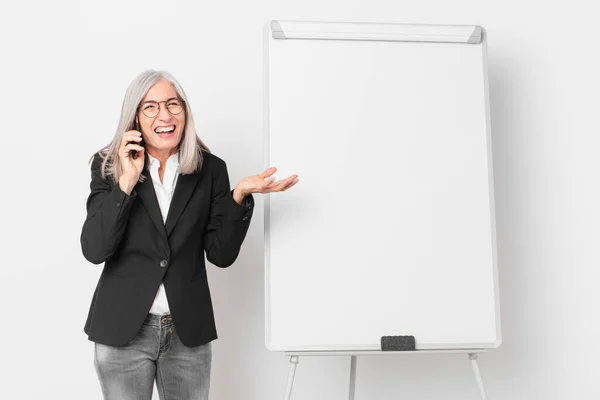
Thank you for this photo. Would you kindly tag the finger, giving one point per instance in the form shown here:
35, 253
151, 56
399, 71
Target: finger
131, 138
286, 180
293, 183
278, 186
132, 146
282, 187
269, 186
131, 133
268, 172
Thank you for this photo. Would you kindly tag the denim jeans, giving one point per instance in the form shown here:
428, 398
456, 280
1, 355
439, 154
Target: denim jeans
127, 372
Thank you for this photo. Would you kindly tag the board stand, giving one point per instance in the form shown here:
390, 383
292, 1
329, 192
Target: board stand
294, 360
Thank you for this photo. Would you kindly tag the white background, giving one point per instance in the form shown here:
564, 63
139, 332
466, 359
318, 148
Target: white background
65, 67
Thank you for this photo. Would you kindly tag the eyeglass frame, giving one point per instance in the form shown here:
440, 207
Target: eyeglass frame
158, 102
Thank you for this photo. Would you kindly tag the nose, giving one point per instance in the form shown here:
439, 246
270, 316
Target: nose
163, 113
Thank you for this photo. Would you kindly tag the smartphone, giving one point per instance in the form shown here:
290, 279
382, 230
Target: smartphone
134, 153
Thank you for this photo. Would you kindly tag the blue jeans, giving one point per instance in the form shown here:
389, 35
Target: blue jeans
127, 372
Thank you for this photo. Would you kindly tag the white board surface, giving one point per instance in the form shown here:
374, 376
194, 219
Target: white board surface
390, 230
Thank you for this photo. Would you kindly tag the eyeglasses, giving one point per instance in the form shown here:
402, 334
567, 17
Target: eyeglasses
151, 108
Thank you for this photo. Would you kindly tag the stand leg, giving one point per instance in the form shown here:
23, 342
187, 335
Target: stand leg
352, 376
290, 382
473, 358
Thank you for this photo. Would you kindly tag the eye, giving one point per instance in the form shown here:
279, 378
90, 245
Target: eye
149, 106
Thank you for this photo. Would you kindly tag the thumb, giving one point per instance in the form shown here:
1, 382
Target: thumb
268, 172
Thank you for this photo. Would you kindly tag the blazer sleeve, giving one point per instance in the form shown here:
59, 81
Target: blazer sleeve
228, 221
108, 210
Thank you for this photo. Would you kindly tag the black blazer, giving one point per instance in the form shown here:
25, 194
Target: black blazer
139, 251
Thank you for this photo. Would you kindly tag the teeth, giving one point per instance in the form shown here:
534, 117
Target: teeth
164, 129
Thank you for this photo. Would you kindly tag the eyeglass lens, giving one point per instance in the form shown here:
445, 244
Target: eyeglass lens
151, 108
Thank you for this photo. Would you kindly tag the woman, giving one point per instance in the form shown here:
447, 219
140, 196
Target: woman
151, 314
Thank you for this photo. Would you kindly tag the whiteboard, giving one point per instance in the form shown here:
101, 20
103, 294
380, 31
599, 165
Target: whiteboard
391, 228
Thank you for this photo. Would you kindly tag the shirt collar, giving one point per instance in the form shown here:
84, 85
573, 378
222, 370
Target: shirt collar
172, 160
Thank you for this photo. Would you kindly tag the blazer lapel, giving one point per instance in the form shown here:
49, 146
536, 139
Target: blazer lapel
183, 191
148, 196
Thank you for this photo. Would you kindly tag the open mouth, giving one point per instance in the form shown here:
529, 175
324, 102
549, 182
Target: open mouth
165, 131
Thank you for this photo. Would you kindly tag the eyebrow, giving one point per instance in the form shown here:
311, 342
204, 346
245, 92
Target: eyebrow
156, 101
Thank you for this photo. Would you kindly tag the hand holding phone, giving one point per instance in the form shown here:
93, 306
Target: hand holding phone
132, 166
134, 153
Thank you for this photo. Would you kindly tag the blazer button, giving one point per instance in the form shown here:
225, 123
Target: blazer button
163, 263
118, 204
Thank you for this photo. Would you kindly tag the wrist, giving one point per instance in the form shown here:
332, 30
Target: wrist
238, 196
126, 185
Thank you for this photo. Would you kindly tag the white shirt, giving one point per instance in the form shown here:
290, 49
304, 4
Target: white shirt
164, 193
